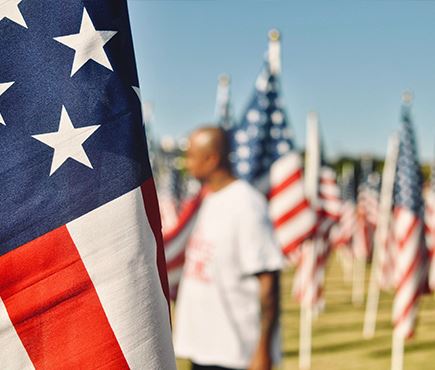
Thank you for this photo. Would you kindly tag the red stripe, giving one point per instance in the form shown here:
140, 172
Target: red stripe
410, 270
185, 216
291, 213
151, 204
405, 312
290, 247
404, 240
295, 176
55, 308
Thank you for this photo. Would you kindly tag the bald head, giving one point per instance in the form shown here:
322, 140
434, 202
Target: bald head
211, 139
208, 151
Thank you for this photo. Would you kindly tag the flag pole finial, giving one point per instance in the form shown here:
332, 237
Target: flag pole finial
407, 97
274, 35
224, 79
274, 53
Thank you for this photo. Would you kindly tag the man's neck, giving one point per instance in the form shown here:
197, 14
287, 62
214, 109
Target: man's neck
219, 179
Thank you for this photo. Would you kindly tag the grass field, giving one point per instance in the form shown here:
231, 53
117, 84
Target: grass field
337, 339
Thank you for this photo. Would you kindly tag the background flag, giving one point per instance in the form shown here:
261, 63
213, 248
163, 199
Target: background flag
411, 262
82, 270
265, 155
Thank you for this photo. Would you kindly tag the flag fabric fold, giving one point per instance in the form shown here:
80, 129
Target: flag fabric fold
82, 271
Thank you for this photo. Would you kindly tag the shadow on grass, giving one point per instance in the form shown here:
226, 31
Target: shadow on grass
340, 347
409, 347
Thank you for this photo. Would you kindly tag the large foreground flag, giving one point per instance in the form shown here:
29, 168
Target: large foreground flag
430, 226
411, 255
82, 271
265, 155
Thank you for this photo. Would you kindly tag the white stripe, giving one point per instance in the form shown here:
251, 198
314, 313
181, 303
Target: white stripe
295, 227
13, 355
284, 166
118, 248
287, 199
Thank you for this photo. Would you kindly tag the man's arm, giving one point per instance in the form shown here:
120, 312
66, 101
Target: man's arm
269, 302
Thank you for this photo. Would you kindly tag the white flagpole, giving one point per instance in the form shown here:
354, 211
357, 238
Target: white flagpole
222, 94
274, 52
381, 235
312, 165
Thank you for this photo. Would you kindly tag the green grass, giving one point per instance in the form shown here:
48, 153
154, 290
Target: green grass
337, 333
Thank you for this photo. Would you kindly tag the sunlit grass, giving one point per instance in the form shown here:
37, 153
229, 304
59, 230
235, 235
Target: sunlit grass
337, 333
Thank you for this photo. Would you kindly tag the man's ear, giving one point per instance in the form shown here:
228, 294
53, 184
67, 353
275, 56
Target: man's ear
214, 160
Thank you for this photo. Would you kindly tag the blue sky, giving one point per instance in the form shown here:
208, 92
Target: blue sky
348, 60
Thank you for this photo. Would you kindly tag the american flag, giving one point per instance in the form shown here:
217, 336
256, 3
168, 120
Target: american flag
308, 284
367, 213
430, 226
82, 270
343, 231
176, 238
169, 194
411, 262
265, 155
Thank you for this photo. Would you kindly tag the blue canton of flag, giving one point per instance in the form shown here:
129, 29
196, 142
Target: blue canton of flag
82, 271
263, 135
409, 179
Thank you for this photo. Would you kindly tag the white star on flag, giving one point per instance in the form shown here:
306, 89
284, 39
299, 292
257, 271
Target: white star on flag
10, 10
67, 142
88, 44
3, 87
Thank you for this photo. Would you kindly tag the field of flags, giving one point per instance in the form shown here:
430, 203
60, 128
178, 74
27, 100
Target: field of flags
376, 217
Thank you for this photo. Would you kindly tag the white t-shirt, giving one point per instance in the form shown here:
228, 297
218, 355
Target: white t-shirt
217, 319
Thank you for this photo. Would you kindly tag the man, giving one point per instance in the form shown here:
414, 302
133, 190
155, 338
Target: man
227, 307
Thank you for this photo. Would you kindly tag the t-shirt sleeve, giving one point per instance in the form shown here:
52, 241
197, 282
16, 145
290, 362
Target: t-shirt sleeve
258, 249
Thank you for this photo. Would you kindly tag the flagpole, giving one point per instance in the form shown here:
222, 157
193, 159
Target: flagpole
381, 235
274, 52
312, 164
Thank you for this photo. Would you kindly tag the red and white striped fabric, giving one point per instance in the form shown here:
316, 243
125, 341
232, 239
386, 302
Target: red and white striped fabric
387, 263
411, 269
310, 274
366, 220
430, 234
293, 219
109, 262
342, 233
175, 241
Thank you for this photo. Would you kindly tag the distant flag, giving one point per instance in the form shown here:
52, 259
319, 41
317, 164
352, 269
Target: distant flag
265, 155
430, 226
82, 270
223, 103
328, 214
176, 238
310, 274
367, 212
169, 190
411, 261
342, 233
